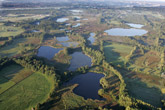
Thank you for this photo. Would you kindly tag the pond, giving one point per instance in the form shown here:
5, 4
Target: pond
68, 24
76, 11
135, 25
77, 25
35, 31
126, 32
48, 52
37, 23
85, 19
88, 85
91, 38
62, 39
69, 44
79, 60
60, 20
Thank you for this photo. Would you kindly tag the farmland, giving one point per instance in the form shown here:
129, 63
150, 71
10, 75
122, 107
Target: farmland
7, 31
27, 93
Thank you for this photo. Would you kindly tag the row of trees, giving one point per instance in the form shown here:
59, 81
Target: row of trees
96, 55
124, 98
37, 65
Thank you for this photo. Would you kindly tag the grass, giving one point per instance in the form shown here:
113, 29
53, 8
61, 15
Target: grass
11, 75
69, 100
26, 94
141, 91
18, 18
147, 63
15, 48
5, 84
10, 71
62, 57
6, 31
116, 53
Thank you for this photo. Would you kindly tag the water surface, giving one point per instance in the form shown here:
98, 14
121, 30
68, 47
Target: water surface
91, 38
69, 44
60, 20
76, 11
88, 85
79, 60
35, 31
135, 25
47, 52
62, 39
77, 25
68, 24
125, 32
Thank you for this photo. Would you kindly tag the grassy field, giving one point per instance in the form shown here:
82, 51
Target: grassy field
143, 92
147, 63
16, 47
12, 75
116, 53
70, 101
6, 74
18, 18
6, 31
26, 94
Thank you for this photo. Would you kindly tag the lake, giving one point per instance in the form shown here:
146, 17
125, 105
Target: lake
68, 24
62, 39
135, 25
77, 25
69, 44
91, 38
60, 20
79, 60
48, 52
76, 11
126, 32
89, 84
35, 31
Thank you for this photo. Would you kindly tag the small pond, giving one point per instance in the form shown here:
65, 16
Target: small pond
47, 52
68, 24
76, 11
88, 85
85, 19
79, 60
62, 39
60, 20
135, 25
77, 25
35, 31
125, 32
91, 38
69, 44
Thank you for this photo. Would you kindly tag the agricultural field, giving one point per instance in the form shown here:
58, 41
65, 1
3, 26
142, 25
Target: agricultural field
148, 62
19, 46
116, 53
27, 93
20, 17
7, 31
11, 75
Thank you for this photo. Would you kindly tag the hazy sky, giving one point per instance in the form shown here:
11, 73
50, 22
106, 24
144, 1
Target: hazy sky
80, 0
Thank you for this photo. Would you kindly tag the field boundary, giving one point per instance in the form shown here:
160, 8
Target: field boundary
16, 84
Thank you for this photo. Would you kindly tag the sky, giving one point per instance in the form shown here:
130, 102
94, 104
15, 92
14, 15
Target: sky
80, 0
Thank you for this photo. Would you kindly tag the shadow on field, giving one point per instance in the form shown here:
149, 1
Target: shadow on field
140, 90
111, 55
53, 102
